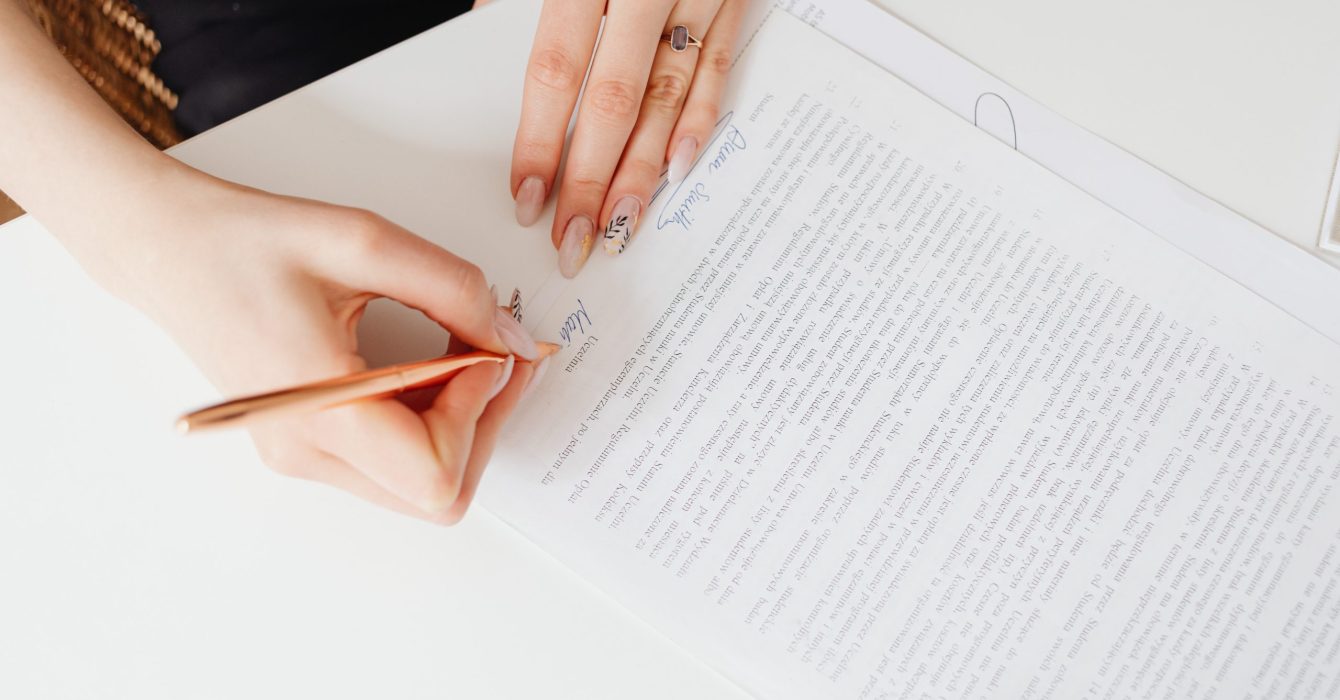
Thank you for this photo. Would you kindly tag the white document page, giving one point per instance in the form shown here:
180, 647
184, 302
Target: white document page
1297, 282
875, 406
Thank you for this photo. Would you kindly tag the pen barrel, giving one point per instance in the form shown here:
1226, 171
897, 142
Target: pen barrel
368, 385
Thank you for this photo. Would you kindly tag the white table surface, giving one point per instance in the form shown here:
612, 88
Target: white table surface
137, 564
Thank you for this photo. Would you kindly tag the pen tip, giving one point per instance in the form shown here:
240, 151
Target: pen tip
547, 349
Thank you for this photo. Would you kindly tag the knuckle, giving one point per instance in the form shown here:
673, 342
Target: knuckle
363, 219
707, 114
554, 69
716, 60
639, 170
667, 91
613, 98
586, 186
365, 232
470, 278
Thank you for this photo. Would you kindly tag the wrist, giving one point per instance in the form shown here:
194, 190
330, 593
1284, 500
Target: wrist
128, 232
112, 204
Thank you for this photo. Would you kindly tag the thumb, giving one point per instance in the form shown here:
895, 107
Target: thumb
388, 260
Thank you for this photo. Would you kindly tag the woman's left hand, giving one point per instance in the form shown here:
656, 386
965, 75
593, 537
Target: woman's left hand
645, 103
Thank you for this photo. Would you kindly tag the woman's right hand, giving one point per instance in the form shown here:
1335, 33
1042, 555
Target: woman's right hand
262, 291
265, 291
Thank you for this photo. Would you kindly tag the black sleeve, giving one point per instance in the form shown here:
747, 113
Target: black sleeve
225, 58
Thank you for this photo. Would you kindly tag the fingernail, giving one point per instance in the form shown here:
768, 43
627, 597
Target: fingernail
514, 304
575, 247
493, 291
517, 340
507, 366
623, 222
535, 378
529, 200
682, 158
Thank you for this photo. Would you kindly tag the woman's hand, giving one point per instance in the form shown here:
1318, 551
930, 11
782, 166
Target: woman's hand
264, 292
644, 104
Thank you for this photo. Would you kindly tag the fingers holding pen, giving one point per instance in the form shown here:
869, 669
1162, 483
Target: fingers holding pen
525, 377
368, 256
382, 450
419, 458
424, 459
426, 464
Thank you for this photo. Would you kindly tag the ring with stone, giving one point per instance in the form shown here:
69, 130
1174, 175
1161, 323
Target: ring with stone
679, 39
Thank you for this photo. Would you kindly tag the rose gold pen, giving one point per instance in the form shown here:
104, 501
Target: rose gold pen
370, 384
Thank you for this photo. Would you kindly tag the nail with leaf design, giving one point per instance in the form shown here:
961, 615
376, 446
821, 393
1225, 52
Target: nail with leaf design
622, 224
514, 306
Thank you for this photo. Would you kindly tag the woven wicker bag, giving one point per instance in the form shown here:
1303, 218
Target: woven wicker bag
108, 42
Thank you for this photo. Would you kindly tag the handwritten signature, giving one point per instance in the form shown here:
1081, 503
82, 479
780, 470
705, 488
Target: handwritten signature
731, 141
679, 208
576, 322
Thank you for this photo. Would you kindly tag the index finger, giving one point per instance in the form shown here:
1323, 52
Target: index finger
419, 458
564, 41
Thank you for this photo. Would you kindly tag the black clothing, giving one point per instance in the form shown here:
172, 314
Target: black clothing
225, 58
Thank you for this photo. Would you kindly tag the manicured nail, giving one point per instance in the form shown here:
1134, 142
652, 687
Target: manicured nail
493, 291
529, 200
575, 247
517, 340
507, 366
514, 304
623, 223
535, 378
682, 159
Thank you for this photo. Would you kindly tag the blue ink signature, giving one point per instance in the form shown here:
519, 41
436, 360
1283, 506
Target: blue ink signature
576, 322
686, 196
683, 213
731, 141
